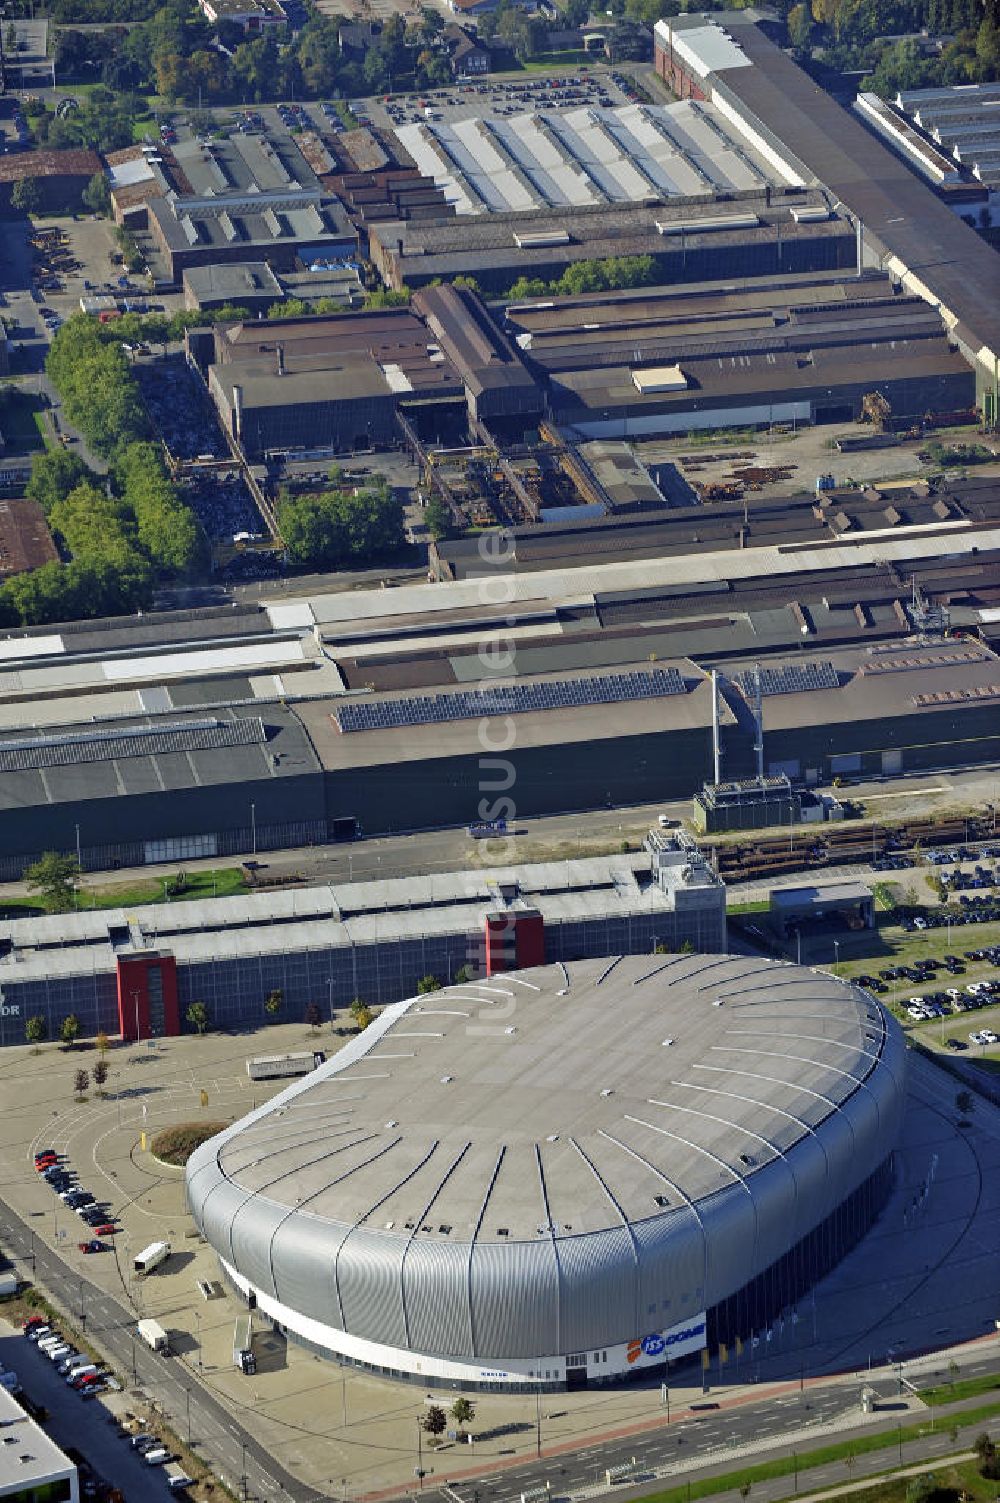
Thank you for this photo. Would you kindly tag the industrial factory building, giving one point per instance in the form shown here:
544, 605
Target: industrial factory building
949, 135
775, 350
753, 232
901, 224
478, 1193
300, 719
207, 202
338, 382
135, 974
575, 158
648, 363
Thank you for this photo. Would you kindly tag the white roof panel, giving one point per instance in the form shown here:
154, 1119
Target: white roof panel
223, 659
13, 649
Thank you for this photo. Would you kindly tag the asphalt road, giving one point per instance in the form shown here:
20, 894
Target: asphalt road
712, 1445
226, 1446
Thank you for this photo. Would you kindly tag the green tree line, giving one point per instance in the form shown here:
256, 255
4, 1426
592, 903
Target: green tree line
120, 534
615, 272
173, 50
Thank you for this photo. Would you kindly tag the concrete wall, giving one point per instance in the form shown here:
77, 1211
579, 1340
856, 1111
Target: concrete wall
447, 790
113, 830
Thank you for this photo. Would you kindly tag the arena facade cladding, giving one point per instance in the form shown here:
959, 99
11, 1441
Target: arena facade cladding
566, 1175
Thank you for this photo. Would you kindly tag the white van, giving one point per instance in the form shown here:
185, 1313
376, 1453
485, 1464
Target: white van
47, 1342
156, 1456
80, 1371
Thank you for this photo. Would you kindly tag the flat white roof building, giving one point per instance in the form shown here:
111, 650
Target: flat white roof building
30, 1459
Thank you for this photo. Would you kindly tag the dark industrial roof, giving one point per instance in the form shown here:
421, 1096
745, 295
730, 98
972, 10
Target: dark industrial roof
466, 242
41, 163
140, 755
901, 215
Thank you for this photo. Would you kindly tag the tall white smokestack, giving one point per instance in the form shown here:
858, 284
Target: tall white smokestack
716, 748
758, 715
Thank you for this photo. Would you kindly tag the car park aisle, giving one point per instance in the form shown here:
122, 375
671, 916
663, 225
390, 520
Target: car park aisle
75, 1422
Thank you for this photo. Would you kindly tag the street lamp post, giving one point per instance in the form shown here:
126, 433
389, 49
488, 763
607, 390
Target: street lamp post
253, 826
836, 951
329, 987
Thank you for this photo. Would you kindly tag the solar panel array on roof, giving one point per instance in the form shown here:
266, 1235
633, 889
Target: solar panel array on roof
790, 678
137, 741
509, 699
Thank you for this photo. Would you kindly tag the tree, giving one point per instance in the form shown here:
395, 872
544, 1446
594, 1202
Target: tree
799, 27
101, 1044
463, 974
437, 518
54, 473
197, 1016
387, 297
361, 1013
56, 877
435, 1421
36, 1030
27, 195
69, 1029
313, 1016
965, 1103
273, 1002
428, 984
100, 1075
97, 194
463, 1411
341, 527
81, 1080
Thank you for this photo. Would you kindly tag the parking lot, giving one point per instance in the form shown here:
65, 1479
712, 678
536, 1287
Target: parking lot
597, 86
83, 1428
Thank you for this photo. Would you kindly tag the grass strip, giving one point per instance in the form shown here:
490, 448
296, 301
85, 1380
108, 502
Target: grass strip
786, 1466
966, 1388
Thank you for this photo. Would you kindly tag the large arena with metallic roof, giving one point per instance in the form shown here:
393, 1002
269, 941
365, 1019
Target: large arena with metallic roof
566, 1175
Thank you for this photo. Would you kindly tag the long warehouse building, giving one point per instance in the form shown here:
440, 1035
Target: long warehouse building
136, 973
901, 224
310, 719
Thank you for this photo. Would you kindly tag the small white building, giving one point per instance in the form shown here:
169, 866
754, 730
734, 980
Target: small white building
30, 1461
252, 15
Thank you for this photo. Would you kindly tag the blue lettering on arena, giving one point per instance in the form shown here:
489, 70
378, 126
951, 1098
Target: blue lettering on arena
689, 1331
653, 1345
